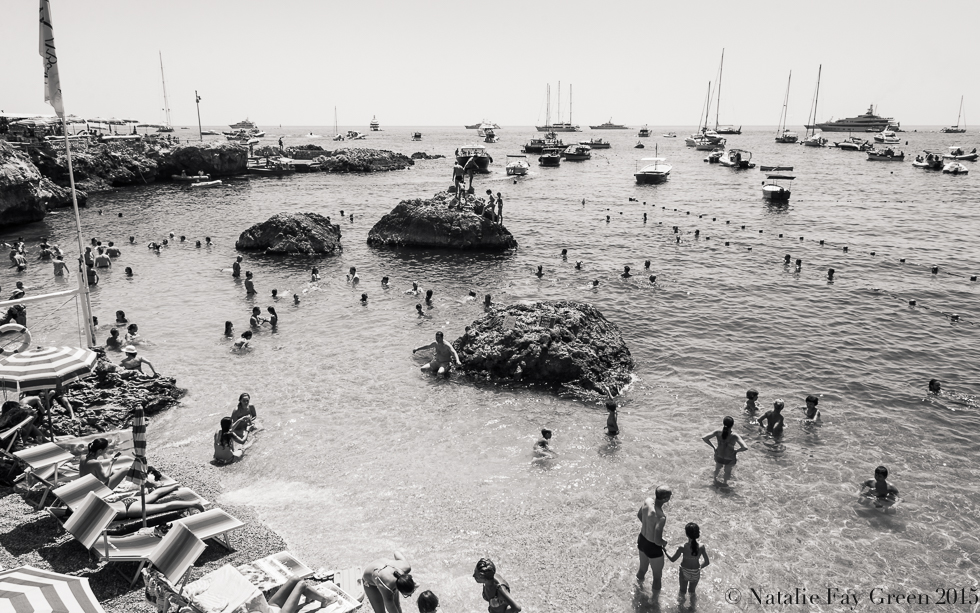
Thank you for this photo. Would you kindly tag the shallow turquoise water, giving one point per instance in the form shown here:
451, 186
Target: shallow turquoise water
360, 454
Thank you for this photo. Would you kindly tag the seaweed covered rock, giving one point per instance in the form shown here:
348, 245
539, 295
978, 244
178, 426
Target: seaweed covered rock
363, 160
25, 195
441, 222
295, 233
218, 159
566, 344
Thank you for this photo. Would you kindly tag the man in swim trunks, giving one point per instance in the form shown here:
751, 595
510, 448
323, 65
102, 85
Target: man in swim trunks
445, 356
236, 268
651, 542
774, 419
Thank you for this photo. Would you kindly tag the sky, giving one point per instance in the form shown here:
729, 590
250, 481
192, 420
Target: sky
436, 63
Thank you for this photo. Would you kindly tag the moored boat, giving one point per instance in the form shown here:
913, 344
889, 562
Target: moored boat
538, 145
477, 153
417, 136
644, 132
577, 153
482, 124
887, 137
214, 183
737, 158
957, 129
854, 143
773, 191
561, 126
210, 133
375, 125
958, 153
714, 156
776, 168
609, 125
191, 178
817, 140
782, 134
517, 164
955, 168
596, 143
885, 155
355, 135
868, 122
489, 136
638, 145
654, 170
245, 124
550, 157
267, 167
669, 135
931, 161
709, 144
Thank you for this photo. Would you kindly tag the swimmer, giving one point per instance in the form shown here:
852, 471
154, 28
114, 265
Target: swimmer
229, 329
445, 356
415, 289
496, 589
295, 298
236, 268
113, 342
249, 284
774, 418
595, 283
810, 410
471, 295
428, 297
540, 272
384, 282
228, 443
691, 565
275, 294
651, 542
352, 218
133, 335
363, 298
418, 309
428, 602
256, 320
132, 239
726, 455
207, 241
578, 265
385, 579
183, 238
879, 487
166, 242
242, 343
198, 244
129, 271
121, 317
653, 278
487, 301
626, 272
542, 448
646, 264
612, 423
274, 319
352, 278
113, 252
314, 275
171, 235
750, 397
564, 254
935, 386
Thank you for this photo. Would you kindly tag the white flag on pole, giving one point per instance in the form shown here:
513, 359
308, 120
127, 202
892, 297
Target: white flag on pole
52, 82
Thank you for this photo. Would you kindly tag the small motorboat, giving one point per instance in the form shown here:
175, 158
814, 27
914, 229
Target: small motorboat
210, 133
670, 135
958, 153
887, 137
280, 167
737, 158
339, 137
654, 170
206, 183
644, 132
489, 136
577, 153
930, 161
478, 153
417, 136
538, 145
355, 135
596, 143
710, 145
776, 168
773, 191
714, 156
853, 144
550, 157
191, 178
955, 168
886, 155
638, 145
517, 164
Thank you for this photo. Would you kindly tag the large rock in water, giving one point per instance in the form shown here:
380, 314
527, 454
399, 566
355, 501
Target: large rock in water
298, 233
218, 159
440, 222
566, 344
363, 160
100, 166
25, 195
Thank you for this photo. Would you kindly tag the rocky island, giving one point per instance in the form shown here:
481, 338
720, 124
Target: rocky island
441, 222
295, 233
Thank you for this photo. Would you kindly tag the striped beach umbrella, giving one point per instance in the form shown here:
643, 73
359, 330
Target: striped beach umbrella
137, 472
29, 590
45, 368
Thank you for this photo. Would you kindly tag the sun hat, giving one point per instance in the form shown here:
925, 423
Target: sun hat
129, 349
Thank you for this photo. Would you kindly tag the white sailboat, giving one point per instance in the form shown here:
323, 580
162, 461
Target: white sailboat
782, 134
168, 127
336, 130
816, 139
957, 129
723, 129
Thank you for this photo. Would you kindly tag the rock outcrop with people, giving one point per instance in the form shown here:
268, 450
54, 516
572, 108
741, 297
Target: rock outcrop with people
441, 222
565, 344
26, 195
292, 233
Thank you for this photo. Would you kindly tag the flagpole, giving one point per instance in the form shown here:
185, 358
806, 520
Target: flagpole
83, 273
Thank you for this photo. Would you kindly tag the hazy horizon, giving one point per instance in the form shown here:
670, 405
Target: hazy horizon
443, 64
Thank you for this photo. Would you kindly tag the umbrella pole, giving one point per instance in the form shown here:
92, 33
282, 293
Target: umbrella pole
143, 499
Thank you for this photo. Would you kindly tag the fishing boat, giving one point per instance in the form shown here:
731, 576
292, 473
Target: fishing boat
375, 125
782, 134
166, 103
669, 135
887, 137
773, 191
960, 154
489, 136
550, 157
930, 161
957, 129
517, 164
868, 122
714, 156
609, 125
482, 124
577, 153
737, 158
644, 132
719, 129
560, 126
885, 155
416, 136
596, 143
955, 168
655, 170
476, 152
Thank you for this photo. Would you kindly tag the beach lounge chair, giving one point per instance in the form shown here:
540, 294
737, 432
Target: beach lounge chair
41, 458
9, 436
212, 524
73, 494
172, 554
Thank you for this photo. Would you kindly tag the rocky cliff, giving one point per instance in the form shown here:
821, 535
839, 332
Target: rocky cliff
25, 195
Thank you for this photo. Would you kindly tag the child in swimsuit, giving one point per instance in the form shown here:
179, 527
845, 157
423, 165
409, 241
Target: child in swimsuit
690, 571
542, 448
612, 425
880, 488
750, 397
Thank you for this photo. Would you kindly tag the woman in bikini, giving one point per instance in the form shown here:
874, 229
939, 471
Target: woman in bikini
103, 470
725, 451
384, 579
225, 439
690, 572
496, 590
243, 417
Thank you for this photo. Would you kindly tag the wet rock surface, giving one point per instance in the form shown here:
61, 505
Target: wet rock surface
100, 167
26, 195
441, 222
363, 160
217, 159
563, 344
421, 155
292, 233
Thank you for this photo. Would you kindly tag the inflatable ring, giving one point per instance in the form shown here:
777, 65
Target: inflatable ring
26, 343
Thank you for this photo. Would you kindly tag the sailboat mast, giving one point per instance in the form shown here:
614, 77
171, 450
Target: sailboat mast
816, 99
783, 115
570, 105
547, 106
718, 105
960, 113
707, 110
166, 104
559, 102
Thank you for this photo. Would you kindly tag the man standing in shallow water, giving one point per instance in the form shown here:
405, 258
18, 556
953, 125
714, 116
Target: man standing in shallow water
651, 541
445, 356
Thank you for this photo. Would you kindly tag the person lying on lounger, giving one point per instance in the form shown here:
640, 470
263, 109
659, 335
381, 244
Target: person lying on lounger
132, 508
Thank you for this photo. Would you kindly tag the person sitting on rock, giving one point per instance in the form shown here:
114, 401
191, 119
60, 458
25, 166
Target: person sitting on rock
444, 358
134, 362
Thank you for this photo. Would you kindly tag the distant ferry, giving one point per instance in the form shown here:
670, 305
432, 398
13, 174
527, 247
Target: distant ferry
244, 125
609, 125
868, 122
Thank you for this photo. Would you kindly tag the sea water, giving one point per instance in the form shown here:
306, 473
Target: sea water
362, 455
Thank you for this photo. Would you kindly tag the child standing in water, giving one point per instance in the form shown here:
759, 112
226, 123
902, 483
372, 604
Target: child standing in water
750, 397
691, 565
542, 448
612, 425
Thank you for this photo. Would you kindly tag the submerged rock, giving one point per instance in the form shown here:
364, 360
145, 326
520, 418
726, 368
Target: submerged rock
441, 222
422, 155
25, 195
363, 160
298, 233
566, 344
